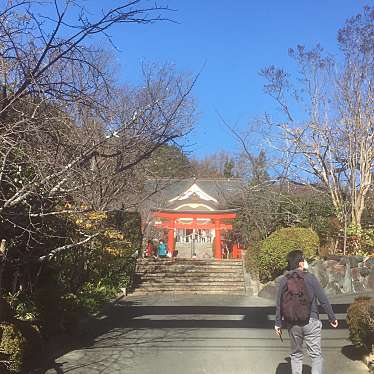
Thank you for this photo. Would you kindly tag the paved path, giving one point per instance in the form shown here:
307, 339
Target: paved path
196, 335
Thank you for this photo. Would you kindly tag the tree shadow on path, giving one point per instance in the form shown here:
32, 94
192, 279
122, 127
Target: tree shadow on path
354, 353
285, 368
124, 324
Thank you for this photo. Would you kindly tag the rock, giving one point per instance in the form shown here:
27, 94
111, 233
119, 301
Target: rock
357, 259
336, 274
333, 289
317, 268
334, 258
354, 261
330, 263
277, 280
355, 273
269, 291
364, 271
371, 279
369, 262
358, 287
340, 269
344, 260
347, 282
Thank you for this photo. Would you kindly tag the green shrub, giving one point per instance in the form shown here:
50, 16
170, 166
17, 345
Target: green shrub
360, 241
251, 259
23, 308
58, 312
12, 347
106, 261
274, 250
360, 320
93, 296
72, 312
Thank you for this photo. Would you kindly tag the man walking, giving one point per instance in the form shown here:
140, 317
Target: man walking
297, 310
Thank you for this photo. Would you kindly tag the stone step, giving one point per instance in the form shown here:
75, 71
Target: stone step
189, 279
188, 292
190, 261
196, 276
181, 267
192, 288
177, 259
172, 282
193, 283
191, 276
188, 273
202, 264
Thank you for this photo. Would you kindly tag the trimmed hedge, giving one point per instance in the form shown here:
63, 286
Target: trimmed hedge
274, 249
360, 320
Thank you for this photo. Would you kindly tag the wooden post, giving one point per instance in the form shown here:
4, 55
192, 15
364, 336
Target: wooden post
218, 249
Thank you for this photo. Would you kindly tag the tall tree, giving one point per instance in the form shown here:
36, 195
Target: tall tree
169, 161
332, 141
258, 168
71, 138
215, 165
228, 168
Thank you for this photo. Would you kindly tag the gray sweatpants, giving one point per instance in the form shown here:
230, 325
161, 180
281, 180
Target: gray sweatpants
311, 333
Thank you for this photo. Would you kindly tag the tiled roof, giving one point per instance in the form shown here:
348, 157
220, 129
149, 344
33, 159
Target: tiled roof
222, 189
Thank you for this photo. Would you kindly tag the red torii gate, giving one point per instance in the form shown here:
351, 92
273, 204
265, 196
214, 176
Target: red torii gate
216, 218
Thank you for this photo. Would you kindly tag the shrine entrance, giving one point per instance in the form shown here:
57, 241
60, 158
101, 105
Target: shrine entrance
194, 221
197, 234
194, 245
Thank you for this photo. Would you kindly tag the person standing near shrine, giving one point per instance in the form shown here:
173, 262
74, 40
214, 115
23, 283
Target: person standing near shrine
149, 249
161, 249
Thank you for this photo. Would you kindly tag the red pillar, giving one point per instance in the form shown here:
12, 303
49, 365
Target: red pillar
171, 237
218, 249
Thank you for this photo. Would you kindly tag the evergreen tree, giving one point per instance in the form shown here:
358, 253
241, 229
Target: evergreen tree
169, 162
259, 172
228, 168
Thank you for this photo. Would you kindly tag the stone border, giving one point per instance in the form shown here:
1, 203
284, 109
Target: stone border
338, 275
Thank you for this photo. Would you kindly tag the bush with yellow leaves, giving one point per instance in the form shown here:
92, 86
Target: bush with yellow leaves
98, 270
20, 342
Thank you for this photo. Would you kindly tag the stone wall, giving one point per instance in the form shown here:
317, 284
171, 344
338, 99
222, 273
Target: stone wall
337, 275
344, 274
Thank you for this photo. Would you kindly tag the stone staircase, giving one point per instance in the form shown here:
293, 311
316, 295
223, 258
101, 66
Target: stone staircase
189, 276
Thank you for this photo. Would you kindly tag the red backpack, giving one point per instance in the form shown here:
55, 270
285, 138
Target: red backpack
295, 300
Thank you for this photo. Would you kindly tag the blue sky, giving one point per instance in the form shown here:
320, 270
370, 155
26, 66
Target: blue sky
233, 40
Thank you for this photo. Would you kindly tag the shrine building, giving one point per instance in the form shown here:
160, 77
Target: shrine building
195, 217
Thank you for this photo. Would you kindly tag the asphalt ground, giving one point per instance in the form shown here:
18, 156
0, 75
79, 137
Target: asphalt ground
194, 335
